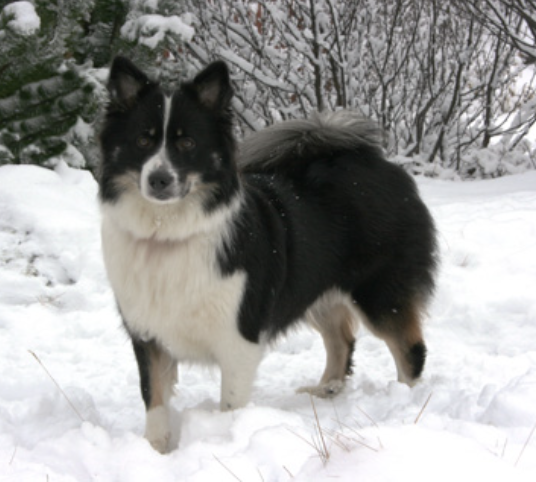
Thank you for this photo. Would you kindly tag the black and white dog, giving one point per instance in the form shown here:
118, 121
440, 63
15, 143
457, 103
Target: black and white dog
213, 251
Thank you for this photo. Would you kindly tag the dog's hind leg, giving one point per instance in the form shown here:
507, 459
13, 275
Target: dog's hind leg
158, 374
334, 317
401, 330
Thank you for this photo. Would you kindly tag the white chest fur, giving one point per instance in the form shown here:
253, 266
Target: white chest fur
171, 290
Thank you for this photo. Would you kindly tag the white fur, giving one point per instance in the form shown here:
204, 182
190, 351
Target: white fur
158, 161
157, 429
319, 314
161, 262
167, 112
238, 360
177, 221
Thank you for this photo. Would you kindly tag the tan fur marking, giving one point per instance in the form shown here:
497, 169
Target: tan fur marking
337, 339
402, 332
163, 376
335, 318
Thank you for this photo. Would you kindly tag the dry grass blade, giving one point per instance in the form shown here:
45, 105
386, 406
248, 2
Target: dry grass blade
323, 449
371, 420
288, 472
318, 443
227, 468
351, 429
13, 456
260, 474
504, 448
525, 445
423, 409
359, 442
57, 385
339, 439
302, 438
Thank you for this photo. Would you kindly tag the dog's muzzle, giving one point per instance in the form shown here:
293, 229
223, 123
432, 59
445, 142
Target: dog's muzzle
163, 185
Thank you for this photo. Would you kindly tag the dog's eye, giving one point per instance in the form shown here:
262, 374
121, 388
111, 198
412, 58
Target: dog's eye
144, 142
185, 144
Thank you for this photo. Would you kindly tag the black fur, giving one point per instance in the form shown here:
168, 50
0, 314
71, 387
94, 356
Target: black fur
416, 358
351, 221
350, 360
142, 351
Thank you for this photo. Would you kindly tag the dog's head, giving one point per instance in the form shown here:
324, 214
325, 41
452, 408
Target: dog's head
163, 146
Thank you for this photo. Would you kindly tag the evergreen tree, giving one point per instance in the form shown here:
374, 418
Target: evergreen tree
153, 37
101, 32
42, 92
49, 50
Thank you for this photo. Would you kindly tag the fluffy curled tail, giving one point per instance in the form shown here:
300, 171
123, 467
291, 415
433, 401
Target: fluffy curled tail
291, 144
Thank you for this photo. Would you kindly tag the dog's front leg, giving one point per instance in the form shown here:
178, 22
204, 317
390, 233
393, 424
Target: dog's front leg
158, 374
238, 365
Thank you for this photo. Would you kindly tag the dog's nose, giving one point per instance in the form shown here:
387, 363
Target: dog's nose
160, 180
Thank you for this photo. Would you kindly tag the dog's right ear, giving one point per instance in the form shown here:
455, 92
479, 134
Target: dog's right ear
126, 81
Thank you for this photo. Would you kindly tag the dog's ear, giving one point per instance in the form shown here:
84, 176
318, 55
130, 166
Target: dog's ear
126, 81
213, 86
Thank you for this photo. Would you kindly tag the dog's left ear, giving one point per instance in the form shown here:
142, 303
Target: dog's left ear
213, 86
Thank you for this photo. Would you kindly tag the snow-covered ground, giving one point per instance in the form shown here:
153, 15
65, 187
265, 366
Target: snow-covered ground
87, 424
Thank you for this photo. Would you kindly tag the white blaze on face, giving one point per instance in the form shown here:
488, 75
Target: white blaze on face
160, 161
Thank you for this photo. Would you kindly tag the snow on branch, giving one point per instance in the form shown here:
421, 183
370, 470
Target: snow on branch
436, 80
151, 29
22, 18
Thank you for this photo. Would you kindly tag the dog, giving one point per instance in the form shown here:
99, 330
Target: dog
213, 250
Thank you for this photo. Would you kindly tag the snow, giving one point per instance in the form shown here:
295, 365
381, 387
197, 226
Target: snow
25, 19
151, 29
468, 419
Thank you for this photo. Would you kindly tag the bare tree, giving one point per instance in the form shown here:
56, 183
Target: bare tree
514, 23
439, 83
515, 20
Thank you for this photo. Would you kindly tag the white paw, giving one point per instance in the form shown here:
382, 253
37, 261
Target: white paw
324, 390
157, 430
160, 444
